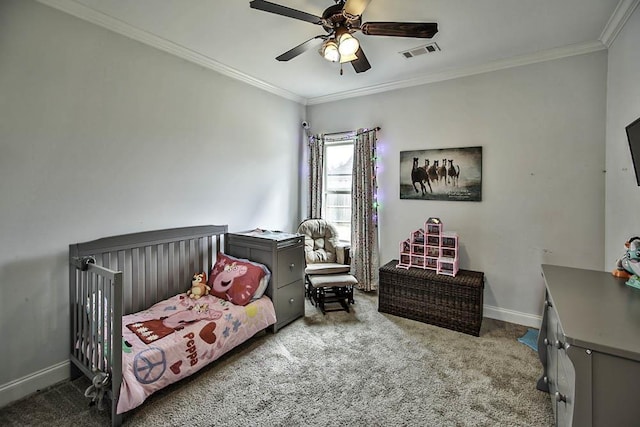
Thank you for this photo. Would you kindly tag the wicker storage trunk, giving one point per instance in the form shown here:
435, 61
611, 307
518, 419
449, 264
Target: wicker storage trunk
450, 302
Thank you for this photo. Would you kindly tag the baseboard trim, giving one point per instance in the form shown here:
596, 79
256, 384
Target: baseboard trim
512, 316
29, 384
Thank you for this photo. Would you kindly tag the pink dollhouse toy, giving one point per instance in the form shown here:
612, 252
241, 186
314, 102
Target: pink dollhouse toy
430, 248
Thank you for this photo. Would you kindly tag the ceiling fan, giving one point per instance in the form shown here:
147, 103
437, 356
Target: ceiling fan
340, 21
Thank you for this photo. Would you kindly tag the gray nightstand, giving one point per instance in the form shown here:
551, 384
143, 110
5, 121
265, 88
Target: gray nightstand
283, 254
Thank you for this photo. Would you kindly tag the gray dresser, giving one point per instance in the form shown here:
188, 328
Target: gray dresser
283, 254
589, 346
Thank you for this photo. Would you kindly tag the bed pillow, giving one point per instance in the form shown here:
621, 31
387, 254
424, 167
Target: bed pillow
264, 282
236, 279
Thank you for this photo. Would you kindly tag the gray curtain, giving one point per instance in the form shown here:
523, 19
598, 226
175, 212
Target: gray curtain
316, 160
364, 219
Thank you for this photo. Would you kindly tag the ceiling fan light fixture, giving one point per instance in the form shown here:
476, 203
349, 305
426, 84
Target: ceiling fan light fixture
340, 22
330, 51
347, 44
348, 58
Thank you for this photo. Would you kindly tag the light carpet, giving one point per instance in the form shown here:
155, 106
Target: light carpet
362, 368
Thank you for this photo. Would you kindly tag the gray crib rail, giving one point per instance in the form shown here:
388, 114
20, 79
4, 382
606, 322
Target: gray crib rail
155, 264
96, 335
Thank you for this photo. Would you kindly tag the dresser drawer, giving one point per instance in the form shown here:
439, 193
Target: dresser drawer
290, 266
290, 302
565, 389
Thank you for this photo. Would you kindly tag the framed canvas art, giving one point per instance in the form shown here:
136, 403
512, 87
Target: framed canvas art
453, 174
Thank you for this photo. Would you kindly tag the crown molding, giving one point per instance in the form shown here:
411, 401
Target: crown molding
541, 56
616, 22
618, 18
95, 17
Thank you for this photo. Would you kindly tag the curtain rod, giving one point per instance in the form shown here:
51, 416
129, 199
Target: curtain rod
351, 131
346, 134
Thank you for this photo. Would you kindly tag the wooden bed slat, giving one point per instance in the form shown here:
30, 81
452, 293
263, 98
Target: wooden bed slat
124, 265
171, 263
192, 258
135, 277
83, 323
87, 335
150, 293
182, 262
162, 271
76, 330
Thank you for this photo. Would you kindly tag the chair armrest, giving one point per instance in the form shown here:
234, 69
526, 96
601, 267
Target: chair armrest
342, 254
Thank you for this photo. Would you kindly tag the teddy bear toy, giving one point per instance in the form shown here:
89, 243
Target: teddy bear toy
199, 287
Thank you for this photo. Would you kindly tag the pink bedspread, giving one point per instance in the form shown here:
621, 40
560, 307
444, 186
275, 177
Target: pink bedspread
179, 336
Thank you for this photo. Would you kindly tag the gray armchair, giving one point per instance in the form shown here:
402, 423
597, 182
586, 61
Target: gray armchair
327, 277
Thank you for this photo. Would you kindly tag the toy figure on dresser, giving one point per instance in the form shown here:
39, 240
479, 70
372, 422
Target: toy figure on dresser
430, 248
628, 266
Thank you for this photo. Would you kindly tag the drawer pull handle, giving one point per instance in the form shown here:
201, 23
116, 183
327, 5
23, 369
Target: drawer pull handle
546, 379
291, 301
546, 341
292, 266
560, 397
561, 345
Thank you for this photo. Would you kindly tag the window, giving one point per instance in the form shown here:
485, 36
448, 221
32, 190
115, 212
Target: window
338, 169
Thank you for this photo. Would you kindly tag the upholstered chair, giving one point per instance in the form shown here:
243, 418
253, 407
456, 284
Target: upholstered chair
327, 277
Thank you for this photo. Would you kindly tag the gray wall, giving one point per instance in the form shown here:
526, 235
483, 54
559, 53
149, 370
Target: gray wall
542, 129
101, 135
623, 107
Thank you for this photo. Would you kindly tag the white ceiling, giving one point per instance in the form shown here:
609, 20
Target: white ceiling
474, 36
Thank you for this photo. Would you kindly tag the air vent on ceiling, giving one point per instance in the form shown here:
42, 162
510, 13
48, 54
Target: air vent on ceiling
417, 51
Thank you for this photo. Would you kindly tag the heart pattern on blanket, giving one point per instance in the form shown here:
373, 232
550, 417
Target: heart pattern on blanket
175, 368
207, 333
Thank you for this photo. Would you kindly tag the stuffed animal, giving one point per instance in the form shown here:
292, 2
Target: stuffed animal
629, 264
199, 287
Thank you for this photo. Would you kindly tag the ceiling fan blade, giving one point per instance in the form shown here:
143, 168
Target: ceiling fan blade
284, 11
301, 48
362, 63
355, 7
400, 29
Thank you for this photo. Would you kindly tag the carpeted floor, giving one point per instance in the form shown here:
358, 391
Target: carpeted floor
361, 368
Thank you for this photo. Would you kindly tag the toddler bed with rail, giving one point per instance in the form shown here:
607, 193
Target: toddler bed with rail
134, 329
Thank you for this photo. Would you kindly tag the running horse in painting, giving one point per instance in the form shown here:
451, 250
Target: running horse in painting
419, 175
